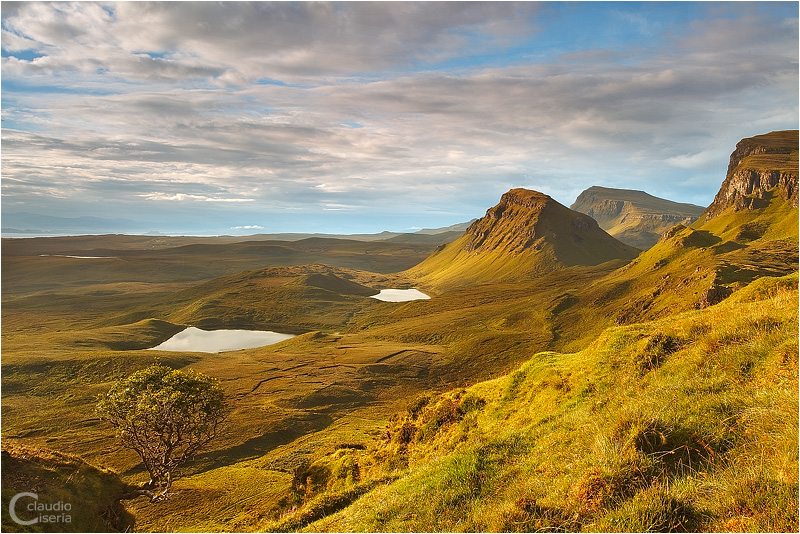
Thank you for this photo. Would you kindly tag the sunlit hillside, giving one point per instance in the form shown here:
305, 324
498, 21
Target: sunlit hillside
556, 378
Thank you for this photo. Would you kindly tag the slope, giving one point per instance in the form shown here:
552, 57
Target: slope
682, 424
92, 493
526, 235
634, 217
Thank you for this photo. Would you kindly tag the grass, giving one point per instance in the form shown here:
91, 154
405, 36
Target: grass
91, 492
586, 441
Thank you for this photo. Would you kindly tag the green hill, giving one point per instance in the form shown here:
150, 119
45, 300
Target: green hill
683, 424
634, 217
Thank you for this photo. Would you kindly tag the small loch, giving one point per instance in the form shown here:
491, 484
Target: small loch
400, 295
194, 339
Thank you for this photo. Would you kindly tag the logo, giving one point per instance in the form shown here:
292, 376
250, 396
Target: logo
39, 512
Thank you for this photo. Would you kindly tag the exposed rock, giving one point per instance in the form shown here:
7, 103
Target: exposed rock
714, 295
634, 217
760, 167
672, 232
527, 220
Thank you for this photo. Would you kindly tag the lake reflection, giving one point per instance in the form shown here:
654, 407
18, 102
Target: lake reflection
400, 295
195, 340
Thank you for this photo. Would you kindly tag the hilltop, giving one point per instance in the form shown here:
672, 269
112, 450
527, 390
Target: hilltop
634, 217
526, 234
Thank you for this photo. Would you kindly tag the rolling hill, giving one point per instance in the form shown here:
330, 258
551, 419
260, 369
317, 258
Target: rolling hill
634, 217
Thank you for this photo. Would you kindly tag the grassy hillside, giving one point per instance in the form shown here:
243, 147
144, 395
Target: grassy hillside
689, 264
91, 492
682, 424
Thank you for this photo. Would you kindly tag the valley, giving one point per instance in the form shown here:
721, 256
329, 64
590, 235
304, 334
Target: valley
635, 371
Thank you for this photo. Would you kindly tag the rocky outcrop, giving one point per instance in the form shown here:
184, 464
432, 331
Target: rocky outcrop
520, 222
713, 295
527, 220
634, 217
759, 168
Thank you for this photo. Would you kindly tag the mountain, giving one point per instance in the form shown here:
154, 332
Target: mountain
634, 217
654, 426
526, 234
33, 223
460, 227
749, 231
759, 168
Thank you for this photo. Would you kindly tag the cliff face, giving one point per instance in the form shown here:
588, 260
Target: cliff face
760, 167
634, 217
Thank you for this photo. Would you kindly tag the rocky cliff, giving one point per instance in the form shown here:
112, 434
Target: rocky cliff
523, 220
634, 217
760, 167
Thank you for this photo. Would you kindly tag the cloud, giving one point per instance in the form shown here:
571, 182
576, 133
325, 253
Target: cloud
179, 197
235, 43
188, 103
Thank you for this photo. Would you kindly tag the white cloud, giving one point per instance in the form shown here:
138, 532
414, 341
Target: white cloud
157, 103
179, 197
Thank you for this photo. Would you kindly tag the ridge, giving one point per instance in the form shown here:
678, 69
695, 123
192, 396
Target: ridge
757, 166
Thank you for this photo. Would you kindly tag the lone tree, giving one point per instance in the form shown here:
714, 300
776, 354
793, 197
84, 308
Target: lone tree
166, 416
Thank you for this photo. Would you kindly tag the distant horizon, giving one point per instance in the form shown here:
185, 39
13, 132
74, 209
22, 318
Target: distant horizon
247, 231
362, 117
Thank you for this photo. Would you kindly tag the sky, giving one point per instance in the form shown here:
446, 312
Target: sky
225, 118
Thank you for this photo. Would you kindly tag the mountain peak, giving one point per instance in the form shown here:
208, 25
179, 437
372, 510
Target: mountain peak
525, 220
757, 166
526, 234
525, 197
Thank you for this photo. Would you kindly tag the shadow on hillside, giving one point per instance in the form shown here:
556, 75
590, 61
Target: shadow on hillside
254, 447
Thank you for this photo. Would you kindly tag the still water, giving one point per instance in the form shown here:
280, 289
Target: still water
400, 295
195, 340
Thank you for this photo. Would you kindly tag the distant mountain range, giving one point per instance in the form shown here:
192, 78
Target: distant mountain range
21, 224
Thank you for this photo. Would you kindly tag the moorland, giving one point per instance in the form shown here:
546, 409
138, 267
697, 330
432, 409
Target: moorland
635, 371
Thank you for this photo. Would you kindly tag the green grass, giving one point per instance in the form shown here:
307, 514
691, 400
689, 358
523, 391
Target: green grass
707, 440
